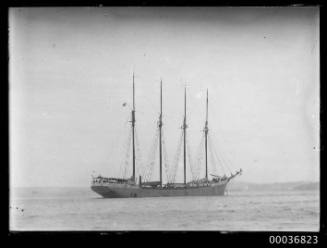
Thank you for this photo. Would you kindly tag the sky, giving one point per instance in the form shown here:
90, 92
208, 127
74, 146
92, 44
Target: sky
70, 73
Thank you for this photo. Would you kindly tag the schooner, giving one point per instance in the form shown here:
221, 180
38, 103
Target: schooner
110, 187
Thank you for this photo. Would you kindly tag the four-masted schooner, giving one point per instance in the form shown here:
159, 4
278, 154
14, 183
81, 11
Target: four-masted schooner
109, 187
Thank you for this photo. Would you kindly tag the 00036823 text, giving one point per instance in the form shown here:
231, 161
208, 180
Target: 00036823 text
303, 239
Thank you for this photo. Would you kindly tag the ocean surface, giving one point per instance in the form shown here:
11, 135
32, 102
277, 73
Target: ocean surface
81, 209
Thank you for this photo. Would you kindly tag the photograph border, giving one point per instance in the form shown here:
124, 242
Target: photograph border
218, 237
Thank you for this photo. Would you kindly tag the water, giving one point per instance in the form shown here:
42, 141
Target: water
82, 209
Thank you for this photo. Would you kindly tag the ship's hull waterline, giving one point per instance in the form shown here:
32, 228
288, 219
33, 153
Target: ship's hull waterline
126, 192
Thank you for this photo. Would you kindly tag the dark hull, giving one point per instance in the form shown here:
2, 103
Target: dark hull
124, 192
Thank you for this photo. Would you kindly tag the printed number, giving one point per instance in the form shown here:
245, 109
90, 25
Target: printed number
303, 240
272, 239
315, 239
296, 239
293, 239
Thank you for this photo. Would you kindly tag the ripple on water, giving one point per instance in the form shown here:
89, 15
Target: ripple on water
291, 211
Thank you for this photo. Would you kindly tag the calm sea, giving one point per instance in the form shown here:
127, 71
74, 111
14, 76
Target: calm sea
81, 209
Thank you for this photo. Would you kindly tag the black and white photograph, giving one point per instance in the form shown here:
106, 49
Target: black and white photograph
164, 119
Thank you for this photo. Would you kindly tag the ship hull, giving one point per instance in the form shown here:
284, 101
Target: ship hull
126, 192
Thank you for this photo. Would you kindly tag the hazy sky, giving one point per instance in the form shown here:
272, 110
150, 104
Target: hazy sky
71, 71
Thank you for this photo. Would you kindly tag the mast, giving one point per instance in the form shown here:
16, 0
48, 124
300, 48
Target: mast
160, 134
206, 129
133, 130
184, 130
